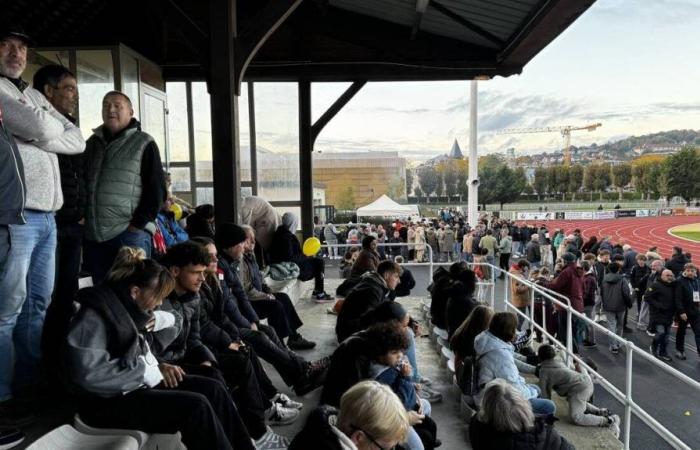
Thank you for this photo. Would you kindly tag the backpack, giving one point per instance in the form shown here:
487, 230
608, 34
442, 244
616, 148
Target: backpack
468, 375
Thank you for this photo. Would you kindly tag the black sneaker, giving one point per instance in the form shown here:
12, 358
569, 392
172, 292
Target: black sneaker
10, 438
666, 358
314, 378
13, 415
322, 297
299, 343
681, 356
589, 344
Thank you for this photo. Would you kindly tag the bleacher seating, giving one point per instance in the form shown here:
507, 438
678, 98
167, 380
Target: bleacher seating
145, 441
67, 437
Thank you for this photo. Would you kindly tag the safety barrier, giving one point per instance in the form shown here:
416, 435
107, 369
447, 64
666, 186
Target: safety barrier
624, 397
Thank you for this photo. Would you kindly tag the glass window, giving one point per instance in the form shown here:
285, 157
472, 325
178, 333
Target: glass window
95, 79
154, 122
202, 133
180, 179
177, 122
244, 130
205, 195
36, 60
130, 80
246, 191
277, 135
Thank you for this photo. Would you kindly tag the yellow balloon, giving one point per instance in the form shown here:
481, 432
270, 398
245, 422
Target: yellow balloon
311, 246
177, 210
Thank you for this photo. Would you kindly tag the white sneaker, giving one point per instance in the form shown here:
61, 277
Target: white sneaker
615, 425
287, 402
271, 441
279, 415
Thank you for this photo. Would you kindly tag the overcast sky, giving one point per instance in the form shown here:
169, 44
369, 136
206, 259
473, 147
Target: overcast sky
633, 65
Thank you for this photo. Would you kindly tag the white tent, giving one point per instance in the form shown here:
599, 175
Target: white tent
386, 207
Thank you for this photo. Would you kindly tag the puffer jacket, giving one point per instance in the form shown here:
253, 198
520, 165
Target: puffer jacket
188, 345
366, 295
616, 293
497, 360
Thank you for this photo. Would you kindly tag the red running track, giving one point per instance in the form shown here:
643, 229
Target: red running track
640, 232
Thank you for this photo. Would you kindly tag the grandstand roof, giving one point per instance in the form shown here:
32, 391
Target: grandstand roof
324, 40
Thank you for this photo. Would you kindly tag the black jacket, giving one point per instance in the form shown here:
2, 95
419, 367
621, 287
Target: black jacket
216, 329
367, 295
317, 433
12, 187
350, 364
676, 264
662, 306
440, 294
232, 281
459, 305
406, 284
188, 346
72, 169
684, 296
639, 276
542, 437
285, 247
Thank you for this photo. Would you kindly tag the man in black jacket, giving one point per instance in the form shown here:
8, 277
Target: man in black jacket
187, 263
687, 302
662, 306
60, 87
677, 262
295, 371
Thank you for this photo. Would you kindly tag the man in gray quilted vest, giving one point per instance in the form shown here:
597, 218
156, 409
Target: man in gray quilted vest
125, 186
27, 276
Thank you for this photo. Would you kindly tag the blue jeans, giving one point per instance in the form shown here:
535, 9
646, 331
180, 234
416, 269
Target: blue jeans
26, 284
99, 256
660, 341
615, 321
542, 406
413, 441
411, 354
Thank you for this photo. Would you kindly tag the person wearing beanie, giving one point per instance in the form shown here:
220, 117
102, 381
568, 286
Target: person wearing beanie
285, 247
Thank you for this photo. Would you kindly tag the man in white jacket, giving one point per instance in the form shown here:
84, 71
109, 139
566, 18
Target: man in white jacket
27, 279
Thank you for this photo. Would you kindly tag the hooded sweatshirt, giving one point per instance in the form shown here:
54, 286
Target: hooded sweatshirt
616, 293
371, 292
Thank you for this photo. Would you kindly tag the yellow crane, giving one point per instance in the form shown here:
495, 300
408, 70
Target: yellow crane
564, 130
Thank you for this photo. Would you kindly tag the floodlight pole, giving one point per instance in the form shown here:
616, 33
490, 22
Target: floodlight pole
473, 199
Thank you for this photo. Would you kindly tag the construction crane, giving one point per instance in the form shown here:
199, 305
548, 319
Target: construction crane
564, 130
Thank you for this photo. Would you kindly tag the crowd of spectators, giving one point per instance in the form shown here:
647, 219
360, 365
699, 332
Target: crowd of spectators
169, 337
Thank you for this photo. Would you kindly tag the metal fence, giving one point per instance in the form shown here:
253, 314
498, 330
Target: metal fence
631, 350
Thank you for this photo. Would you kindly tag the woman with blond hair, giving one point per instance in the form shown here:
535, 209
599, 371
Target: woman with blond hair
371, 417
506, 420
120, 382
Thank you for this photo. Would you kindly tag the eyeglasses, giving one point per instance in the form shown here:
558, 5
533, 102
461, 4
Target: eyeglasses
372, 439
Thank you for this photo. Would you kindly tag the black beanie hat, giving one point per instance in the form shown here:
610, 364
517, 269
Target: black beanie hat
228, 235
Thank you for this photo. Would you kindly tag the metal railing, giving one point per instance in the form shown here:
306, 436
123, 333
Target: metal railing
624, 397
490, 285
